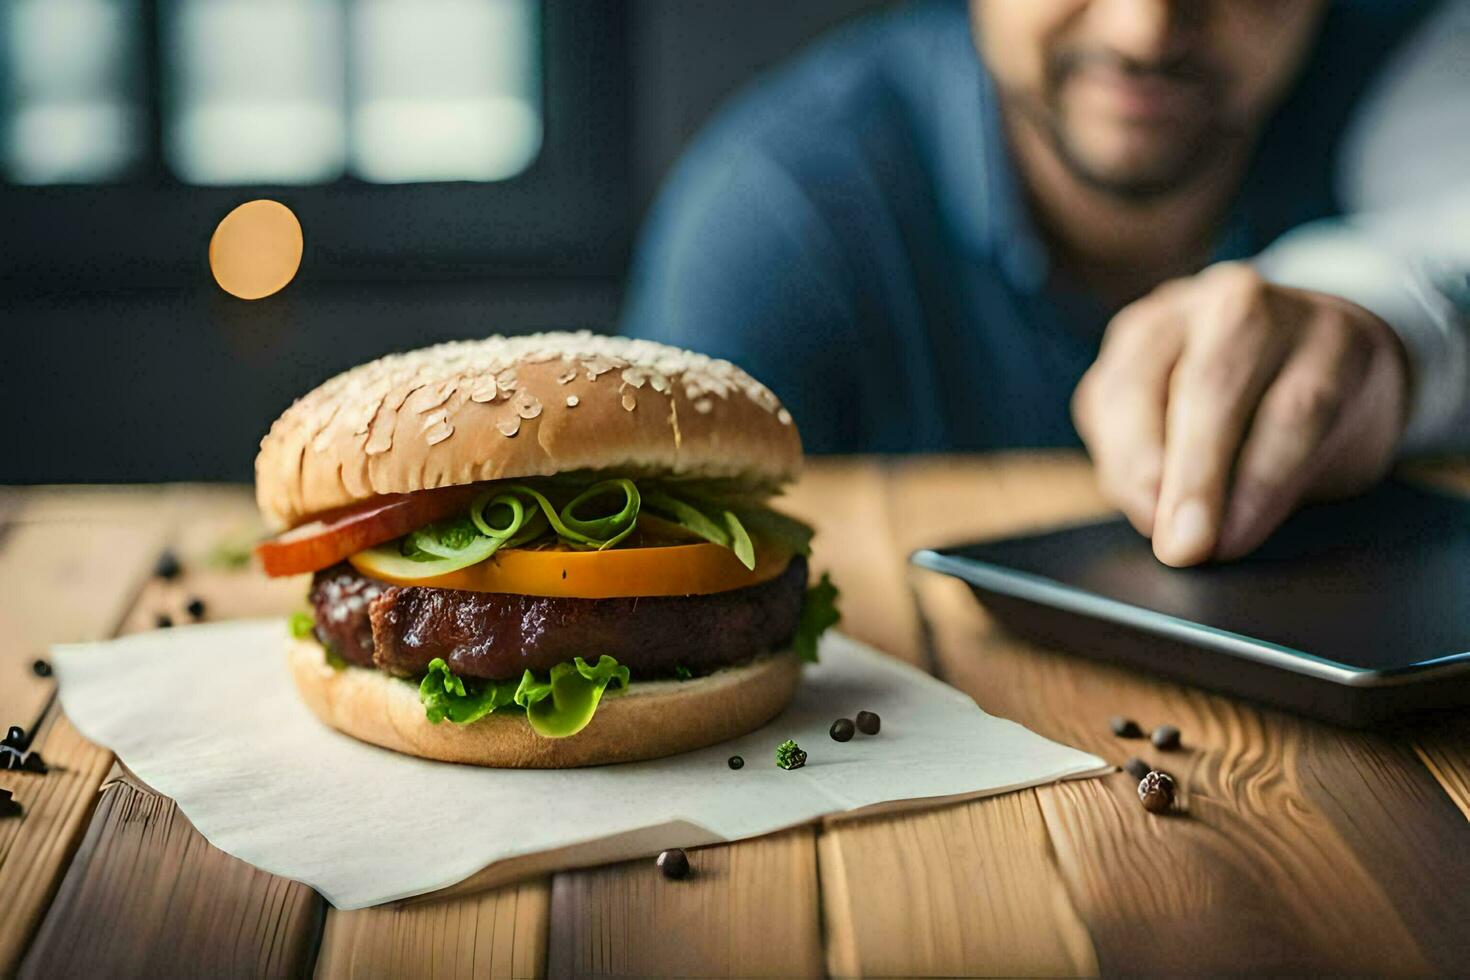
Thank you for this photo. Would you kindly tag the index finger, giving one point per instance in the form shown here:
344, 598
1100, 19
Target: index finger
1214, 390
1119, 410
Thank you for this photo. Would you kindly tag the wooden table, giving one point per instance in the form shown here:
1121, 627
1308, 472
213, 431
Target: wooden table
1300, 847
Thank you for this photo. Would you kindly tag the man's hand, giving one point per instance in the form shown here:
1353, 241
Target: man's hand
1219, 402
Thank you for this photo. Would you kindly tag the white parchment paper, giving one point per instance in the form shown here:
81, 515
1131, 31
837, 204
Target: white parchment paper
208, 716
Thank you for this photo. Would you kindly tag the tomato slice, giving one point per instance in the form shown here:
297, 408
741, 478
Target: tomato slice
339, 533
683, 569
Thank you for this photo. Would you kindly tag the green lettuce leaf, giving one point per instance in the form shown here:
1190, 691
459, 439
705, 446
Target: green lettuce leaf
762, 522
445, 695
818, 612
740, 542
565, 704
713, 523
442, 539
302, 625
686, 515
557, 707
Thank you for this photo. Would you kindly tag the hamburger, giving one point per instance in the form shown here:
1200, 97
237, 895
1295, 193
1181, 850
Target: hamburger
541, 552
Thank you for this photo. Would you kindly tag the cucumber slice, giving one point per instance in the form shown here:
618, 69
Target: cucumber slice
386, 561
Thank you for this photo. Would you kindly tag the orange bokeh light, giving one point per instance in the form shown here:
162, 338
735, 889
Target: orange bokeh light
256, 249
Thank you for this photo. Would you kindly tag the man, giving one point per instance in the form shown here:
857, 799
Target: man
1222, 239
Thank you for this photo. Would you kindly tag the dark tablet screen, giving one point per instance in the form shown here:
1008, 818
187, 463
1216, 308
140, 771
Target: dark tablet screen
1380, 582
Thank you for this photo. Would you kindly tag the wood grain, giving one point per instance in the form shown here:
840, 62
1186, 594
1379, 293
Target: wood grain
148, 896
63, 580
623, 920
1298, 847
499, 933
146, 893
748, 910
35, 849
1293, 852
1444, 747
963, 890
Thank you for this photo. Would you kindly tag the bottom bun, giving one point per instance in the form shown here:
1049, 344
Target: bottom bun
653, 719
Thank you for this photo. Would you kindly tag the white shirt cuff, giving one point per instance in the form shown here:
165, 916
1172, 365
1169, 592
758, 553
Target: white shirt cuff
1403, 294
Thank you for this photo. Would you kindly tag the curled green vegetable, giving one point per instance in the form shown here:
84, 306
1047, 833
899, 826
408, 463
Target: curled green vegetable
725, 529
565, 704
585, 532
559, 706
445, 695
597, 516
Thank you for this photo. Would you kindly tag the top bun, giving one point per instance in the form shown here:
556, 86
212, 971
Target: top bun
507, 407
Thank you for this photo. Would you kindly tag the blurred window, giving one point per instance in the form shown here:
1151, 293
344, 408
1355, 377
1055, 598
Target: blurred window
253, 91
73, 109
444, 89
243, 92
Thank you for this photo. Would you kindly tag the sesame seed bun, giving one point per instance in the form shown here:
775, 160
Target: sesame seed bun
651, 720
509, 407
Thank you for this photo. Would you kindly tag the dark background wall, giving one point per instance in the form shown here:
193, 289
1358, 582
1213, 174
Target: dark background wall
124, 362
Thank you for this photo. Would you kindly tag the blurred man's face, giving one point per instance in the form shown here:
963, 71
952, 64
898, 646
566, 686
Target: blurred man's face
1135, 97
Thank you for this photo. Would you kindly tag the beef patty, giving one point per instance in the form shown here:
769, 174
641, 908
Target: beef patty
499, 635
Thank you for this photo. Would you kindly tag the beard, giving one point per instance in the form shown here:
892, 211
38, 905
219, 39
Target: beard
1162, 156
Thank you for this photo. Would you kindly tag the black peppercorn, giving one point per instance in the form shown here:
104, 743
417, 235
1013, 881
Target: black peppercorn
841, 730
167, 566
868, 722
1125, 727
163, 621
1165, 737
736, 762
41, 668
15, 737
34, 763
674, 863
1156, 792
1137, 768
196, 607
9, 806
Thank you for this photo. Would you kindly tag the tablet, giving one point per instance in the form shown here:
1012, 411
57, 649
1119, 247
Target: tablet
1353, 612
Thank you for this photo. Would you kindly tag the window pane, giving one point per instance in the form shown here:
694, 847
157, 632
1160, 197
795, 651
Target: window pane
72, 90
254, 90
445, 89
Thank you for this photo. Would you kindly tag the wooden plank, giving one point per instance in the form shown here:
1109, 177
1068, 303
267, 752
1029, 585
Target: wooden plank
1444, 747
623, 920
35, 849
980, 890
1301, 847
147, 893
63, 582
964, 890
748, 910
148, 896
498, 933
